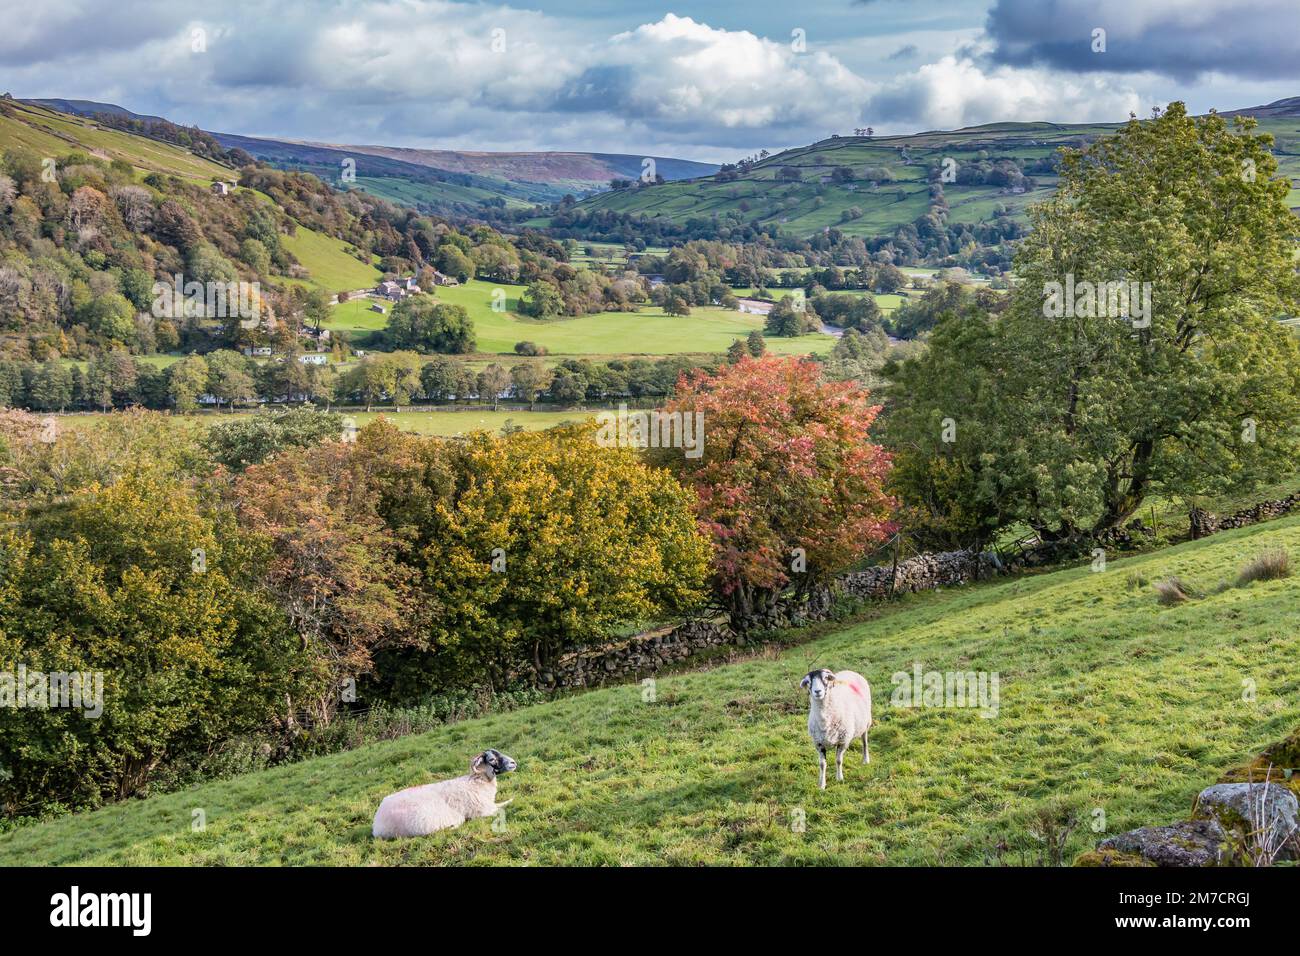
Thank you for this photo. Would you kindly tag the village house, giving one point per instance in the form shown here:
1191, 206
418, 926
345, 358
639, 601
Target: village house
376, 307
221, 189
397, 289
257, 351
441, 279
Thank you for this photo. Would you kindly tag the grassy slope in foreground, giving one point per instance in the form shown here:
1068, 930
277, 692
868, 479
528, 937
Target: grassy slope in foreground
1107, 700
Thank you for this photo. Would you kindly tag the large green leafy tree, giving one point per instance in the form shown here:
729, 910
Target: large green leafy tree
187, 380
136, 584
1073, 412
252, 439
423, 324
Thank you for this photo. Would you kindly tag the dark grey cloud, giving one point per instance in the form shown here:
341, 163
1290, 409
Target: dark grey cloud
1251, 39
905, 52
596, 88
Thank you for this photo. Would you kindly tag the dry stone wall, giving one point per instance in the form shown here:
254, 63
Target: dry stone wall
1204, 523
645, 654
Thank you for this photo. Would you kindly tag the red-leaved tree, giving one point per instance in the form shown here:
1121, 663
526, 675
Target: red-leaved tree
789, 485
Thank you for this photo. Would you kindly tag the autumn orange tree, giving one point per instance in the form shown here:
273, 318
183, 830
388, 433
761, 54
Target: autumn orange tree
337, 568
789, 485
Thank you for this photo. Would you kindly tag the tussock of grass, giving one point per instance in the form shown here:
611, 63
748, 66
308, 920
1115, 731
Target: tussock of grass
1106, 701
1271, 565
1171, 591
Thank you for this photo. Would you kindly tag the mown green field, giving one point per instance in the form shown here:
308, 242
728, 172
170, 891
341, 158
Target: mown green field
355, 319
441, 422
647, 332
1108, 702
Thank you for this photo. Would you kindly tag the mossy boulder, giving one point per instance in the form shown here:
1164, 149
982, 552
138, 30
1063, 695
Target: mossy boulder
1244, 807
1189, 843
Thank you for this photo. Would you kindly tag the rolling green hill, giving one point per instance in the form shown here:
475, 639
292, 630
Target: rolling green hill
47, 132
449, 182
432, 180
1107, 701
890, 179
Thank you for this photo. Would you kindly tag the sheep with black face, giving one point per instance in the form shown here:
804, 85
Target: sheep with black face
839, 712
417, 811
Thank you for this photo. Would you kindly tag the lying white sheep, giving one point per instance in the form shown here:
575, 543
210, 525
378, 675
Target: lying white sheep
839, 712
417, 811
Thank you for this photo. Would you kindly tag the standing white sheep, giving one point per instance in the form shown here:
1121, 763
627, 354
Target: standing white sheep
839, 712
417, 811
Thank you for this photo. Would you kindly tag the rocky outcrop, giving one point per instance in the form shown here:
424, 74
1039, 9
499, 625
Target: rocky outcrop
1270, 811
1191, 843
1228, 819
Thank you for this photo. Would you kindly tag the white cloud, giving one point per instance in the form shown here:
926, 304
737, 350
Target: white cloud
684, 72
958, 90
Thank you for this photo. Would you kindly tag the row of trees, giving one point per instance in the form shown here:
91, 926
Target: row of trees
119, 380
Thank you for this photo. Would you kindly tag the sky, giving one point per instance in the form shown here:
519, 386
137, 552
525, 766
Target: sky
708, 81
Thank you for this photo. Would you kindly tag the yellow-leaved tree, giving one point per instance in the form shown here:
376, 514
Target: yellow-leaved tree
549, 542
